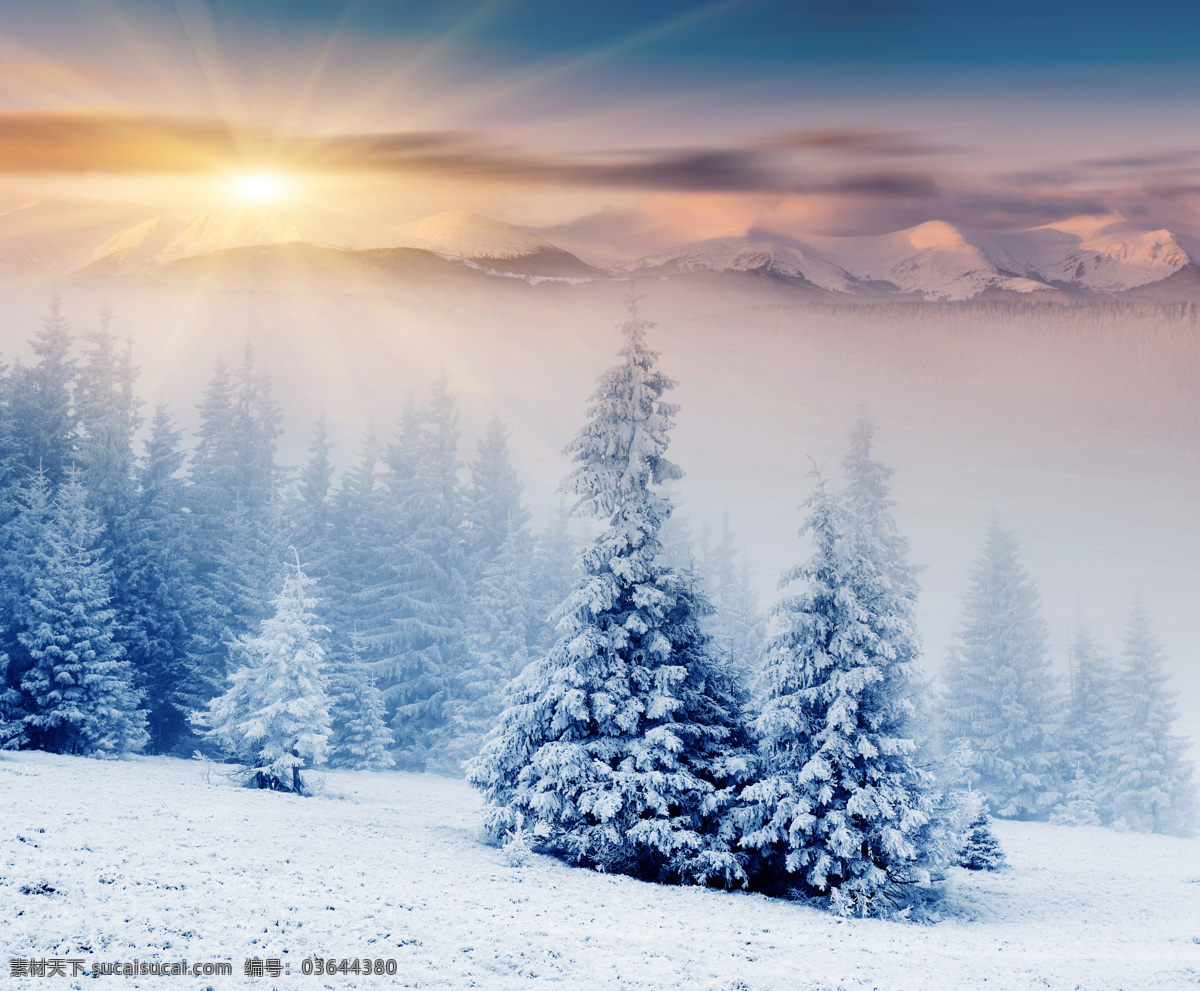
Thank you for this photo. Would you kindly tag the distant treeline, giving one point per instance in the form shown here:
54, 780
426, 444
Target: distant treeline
1057, 313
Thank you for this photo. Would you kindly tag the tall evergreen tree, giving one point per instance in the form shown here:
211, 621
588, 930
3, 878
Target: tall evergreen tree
419, 653
497, 642
80, 684
40, 402
312, 518
157, 601
999, 691
353, 605
359, 734
843, 809
494, 498
498, 623
1089, 728
621, 748
12, 712
106, 415
27, 510
736, 625
275, 715
234, 542
1152, 777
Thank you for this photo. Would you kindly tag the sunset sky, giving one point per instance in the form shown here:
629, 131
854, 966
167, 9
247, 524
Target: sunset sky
635, 124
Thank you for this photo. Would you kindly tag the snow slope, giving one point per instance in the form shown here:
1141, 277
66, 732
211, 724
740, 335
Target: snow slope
41, 239
159, 242
935, 260
1115, 261
753, 253
160, 859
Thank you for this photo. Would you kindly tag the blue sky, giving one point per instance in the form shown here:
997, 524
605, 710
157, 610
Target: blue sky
755, 33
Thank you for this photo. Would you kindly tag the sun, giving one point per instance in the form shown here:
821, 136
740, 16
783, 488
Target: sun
258, 187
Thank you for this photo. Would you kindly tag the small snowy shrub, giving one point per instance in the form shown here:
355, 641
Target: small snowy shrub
982, 851
517, 849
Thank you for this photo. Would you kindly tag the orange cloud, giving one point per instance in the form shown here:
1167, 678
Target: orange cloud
82, 142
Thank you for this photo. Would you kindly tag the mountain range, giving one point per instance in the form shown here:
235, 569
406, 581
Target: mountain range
1084, 257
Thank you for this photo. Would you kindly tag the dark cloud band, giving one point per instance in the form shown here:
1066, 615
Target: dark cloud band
35, 143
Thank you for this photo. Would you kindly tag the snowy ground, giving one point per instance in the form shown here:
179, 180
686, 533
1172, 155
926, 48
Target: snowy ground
158, 859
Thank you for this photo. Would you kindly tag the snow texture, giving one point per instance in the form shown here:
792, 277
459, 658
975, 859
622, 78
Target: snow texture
163, 859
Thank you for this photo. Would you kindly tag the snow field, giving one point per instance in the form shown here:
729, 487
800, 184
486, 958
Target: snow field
161, 859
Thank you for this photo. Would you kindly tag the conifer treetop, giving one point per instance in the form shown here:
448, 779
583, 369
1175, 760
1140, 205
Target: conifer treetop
621, 450
867, 488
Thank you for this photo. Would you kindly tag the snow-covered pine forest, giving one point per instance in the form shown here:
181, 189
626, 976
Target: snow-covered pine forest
622, 702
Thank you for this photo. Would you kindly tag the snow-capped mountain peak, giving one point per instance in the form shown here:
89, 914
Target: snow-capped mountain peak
758, 251
939, 260
936, 235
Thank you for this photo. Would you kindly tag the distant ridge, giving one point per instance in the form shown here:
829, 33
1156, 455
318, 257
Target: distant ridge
1083, 258
155, 243
496, 245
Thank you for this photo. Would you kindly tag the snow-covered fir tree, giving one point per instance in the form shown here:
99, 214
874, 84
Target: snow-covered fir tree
494, 509
1080, 807
1153, 790
42, 418
359, 734
106, 417
156, 598
1000, 700
79, 683
274, 717
310, 511
414, 641
621, 748
497, 631
982, 851
737, 626
842, 810
348, 536
232, 510
1089, 728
